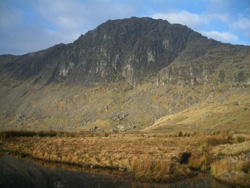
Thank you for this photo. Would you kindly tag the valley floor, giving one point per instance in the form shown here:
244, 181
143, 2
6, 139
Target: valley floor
145, 156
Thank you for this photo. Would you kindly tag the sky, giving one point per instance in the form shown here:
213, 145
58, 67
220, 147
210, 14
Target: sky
32, 25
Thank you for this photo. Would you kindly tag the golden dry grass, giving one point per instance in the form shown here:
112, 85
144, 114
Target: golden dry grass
227, 112
200, 161
232, 164
231, 149
233, 170
149, 157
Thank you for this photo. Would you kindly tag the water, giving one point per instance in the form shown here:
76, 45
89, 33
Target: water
25, 173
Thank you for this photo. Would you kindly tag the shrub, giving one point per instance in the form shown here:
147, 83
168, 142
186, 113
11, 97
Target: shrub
47, 133
187, 134
241, 139
216, 133
106, 134
2, 136
216, 140
66, 134
180, 134
246, 167
230, 138
13, 133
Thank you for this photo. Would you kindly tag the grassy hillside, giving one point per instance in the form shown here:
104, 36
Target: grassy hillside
228, 111
121, 107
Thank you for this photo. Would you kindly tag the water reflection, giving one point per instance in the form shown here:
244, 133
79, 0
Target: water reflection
17, 173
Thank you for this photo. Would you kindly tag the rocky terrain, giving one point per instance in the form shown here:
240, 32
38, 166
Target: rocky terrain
126, 75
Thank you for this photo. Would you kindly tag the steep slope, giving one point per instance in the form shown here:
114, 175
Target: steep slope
228, 112
200, 64
128, 49
124, 74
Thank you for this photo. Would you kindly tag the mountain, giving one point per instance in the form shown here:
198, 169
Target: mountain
123, 75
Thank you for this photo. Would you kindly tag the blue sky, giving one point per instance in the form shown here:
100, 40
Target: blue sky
32, 25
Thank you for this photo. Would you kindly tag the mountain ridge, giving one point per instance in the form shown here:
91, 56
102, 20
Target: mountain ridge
125, 49
101, 41
125, 73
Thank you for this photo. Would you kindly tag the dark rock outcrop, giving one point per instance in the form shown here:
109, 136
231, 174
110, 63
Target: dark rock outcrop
132, 50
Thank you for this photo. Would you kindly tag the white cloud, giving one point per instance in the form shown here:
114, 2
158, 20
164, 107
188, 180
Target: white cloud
9, 17
55, 21
210, 17
39, 24
221, 36
205, 21
181, 17
243, 25
194, 21
76, 15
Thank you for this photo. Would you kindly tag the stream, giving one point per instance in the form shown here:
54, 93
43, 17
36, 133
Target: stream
16, 172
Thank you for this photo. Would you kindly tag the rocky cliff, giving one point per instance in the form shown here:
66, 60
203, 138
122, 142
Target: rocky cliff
123, 74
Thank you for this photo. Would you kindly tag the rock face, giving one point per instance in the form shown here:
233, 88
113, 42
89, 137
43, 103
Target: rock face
145, 61
206, 63
132, 50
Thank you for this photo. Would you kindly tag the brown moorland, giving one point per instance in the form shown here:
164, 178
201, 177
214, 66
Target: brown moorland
147, 157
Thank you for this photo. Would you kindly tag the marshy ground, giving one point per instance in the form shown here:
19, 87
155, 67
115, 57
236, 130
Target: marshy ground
145, 156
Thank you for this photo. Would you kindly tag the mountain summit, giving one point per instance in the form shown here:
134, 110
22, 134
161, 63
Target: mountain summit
115, 66
129, 49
